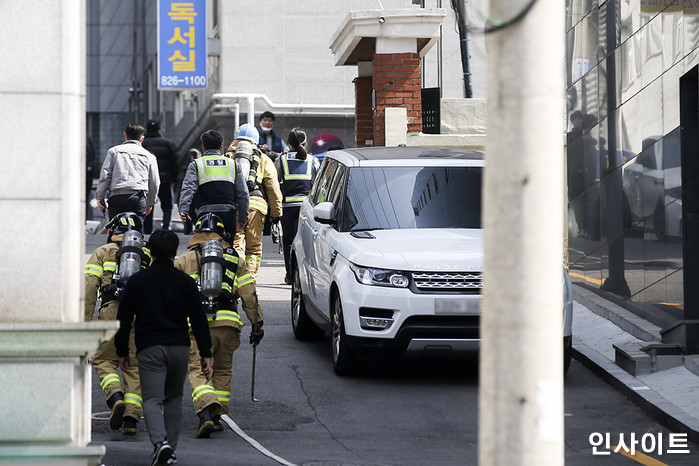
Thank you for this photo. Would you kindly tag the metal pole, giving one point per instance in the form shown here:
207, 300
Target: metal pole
521, 355
251, 110
236, 116
439, 51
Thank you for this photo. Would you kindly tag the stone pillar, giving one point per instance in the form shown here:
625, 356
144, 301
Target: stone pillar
45, 408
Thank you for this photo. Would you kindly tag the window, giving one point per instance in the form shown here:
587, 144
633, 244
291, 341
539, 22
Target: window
395, 198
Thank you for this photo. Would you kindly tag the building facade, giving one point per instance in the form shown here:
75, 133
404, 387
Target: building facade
277, 51
629, 70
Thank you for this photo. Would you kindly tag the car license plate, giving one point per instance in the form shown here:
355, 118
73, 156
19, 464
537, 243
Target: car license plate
457, 306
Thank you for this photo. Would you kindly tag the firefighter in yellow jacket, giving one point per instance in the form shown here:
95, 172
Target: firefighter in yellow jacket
265, 194
107, 270
206, 251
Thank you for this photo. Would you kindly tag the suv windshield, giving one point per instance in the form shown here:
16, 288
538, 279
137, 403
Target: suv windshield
413, 197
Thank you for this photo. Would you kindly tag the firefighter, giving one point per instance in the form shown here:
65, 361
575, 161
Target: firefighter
265, 195
207, 249
106, 272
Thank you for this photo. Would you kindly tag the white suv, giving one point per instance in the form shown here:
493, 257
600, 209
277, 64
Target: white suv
388, 257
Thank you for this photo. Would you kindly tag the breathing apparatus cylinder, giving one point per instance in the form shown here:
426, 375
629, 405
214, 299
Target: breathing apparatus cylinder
211, 274
248, 158
252, 174
244, 165
130, 255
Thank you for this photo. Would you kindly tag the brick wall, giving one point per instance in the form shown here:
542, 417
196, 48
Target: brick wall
364, 113
397, 84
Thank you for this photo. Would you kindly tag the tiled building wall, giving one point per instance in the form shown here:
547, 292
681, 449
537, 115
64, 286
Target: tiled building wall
624, 62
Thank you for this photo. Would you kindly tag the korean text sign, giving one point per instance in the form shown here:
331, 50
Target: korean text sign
181, 44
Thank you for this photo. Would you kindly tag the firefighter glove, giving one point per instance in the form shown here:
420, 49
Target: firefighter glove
257, 333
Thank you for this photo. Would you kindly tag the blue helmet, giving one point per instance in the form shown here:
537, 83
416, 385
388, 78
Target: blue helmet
248, 132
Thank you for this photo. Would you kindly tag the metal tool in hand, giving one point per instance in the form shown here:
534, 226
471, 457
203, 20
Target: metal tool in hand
254, 358
276, 232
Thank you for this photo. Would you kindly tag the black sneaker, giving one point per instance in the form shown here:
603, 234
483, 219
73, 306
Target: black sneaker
287, 280
162, 454
130, 426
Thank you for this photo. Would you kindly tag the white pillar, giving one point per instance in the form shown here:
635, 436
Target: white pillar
521, 363
43, 344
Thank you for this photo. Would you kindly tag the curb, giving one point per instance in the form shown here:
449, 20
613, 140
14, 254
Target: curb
639, 393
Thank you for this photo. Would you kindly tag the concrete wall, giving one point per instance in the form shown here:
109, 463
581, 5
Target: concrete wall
284, 47
45, 407
463, 126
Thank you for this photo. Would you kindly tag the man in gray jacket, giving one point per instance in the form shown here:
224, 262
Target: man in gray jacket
130, 175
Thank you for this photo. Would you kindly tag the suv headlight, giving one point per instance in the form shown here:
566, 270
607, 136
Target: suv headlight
380, 277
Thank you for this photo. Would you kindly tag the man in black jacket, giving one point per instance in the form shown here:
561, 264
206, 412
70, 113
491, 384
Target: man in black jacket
270, 142
162, 298
166, 153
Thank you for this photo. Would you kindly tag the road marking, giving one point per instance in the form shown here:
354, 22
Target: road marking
639, 457
587, 279
599, 282
253, 442
677, 305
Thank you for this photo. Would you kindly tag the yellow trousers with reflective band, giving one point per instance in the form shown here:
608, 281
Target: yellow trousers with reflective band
248, 242
215, 390
106, 364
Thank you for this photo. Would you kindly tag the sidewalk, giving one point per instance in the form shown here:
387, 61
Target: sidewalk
671, 396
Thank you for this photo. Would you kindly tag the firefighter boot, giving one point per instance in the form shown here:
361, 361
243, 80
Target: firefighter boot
116, 403
218, 427
206, 425
130, 426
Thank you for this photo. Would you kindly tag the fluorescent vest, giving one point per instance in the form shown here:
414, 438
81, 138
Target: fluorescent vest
215, 168
298, 178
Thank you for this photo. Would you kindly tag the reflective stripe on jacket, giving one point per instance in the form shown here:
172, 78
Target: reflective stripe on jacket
297, 177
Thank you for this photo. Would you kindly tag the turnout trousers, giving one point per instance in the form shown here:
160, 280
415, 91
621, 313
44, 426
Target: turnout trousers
106, 364
248, 242
217, 389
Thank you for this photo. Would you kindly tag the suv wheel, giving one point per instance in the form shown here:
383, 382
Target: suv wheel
344, 361
302, 325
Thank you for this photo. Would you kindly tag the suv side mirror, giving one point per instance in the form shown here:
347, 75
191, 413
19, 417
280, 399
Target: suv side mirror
324, 213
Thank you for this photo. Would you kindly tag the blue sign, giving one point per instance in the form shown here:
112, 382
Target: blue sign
181, 44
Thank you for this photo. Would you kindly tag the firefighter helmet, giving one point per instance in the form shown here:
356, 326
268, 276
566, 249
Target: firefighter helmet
210, 223
248, 132
124, 222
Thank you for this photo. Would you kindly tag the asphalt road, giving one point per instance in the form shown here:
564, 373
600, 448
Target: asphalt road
410, 414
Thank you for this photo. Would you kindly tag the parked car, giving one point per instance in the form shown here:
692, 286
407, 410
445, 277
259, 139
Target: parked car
652, 185
388, 258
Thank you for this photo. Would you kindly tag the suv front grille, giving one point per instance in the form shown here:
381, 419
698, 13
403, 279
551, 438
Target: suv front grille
464, 282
